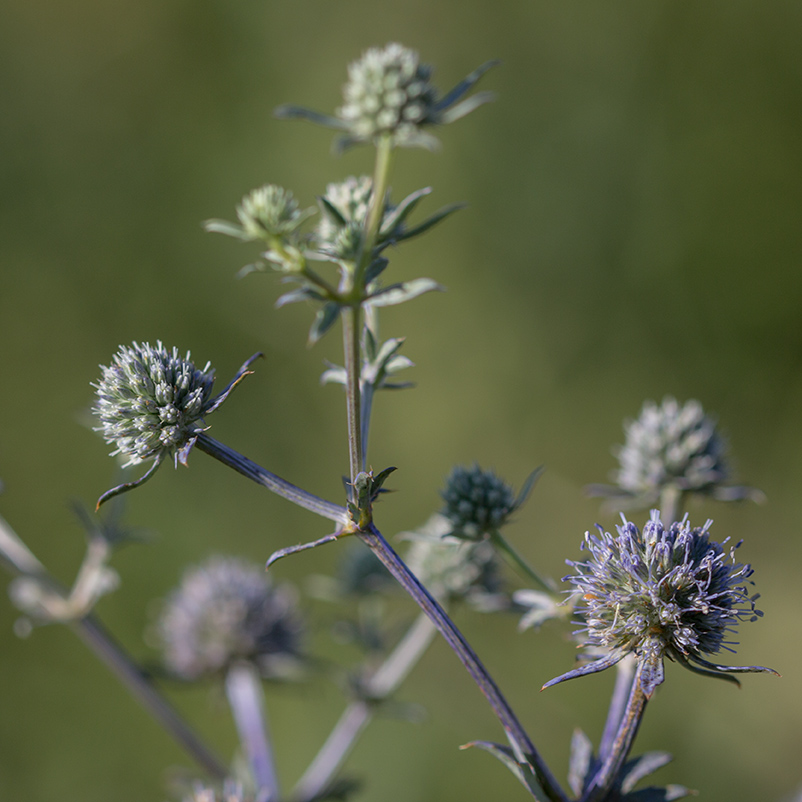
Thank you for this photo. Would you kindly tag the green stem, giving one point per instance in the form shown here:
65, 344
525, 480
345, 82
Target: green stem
513, 557
359, 713
352, 324
671, 498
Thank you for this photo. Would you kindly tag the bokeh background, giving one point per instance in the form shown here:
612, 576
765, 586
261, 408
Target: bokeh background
633, 231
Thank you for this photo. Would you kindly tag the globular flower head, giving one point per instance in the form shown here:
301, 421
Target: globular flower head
270, 212
672, 445
666, 592
476, 502
389, 94
224, 611
151, 401
388, 91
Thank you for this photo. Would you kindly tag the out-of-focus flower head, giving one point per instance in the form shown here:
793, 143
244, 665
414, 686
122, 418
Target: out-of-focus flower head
227, 610
671, 445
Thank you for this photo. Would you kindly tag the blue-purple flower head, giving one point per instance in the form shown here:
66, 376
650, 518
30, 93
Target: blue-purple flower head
663, 592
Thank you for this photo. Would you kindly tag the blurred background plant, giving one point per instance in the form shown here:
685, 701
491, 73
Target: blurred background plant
632, 233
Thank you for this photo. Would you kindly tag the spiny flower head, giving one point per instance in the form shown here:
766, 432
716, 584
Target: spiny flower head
151, 401
270, 212
672, 445
389, 95
476, 501
227, 610
388, 91
666, 592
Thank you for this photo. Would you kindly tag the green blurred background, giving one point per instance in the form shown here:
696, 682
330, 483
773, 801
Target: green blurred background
633, 231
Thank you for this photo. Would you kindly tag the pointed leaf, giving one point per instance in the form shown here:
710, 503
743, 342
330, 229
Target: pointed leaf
299, 294
330, 209
526, 487
224, 227
420, 139
581, 762
254, 267
431, 222
635, 770
465, 84
375, 269
325, 318
290, 112
380, 479
591, 668
334, 374
402, 211
466, 107
398, 293
524, 773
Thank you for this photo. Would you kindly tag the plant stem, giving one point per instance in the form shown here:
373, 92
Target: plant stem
245, 696
625, 674
671, 498
352, 329
514, 558
522, 745
358, 714
18, 557
619, 750
276, 484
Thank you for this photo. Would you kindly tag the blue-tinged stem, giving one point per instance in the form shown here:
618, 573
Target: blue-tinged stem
517, 735
359, 713
605, 778
16, 556
625, 674
244, 691
274, 483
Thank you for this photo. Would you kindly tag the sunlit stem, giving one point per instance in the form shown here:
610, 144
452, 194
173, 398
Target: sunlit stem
352, 329
519, 563
522, 745
245, 696
274, 483
619, 750
359, 713
16, 556
671, 498
352, 315
625, 674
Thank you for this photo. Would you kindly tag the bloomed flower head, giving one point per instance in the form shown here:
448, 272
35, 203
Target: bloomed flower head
227, 610
151, 401
664, 592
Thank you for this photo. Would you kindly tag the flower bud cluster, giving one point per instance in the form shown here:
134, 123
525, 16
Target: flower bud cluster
269, 211
388, 91
476, 502
151, 401
675, 444
224, 611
